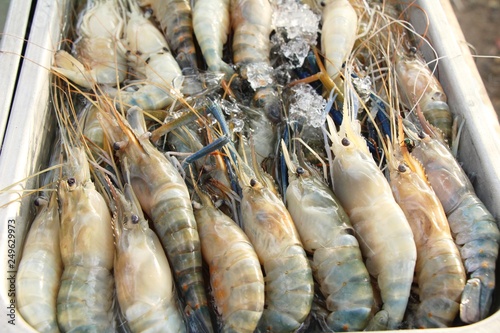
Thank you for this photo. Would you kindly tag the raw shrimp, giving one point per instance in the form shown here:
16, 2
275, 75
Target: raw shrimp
40, 269
440, 274
419, 84
473, 227
154, 65
211, 23
235, 273
164, 197
176, 21
326, 232
289, 286
85, 297
384, 235
144, 284
99, 59
251, 24
338, 33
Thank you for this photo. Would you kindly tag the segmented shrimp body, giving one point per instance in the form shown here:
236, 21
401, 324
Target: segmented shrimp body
85, 297
235, 274
164, 197
326, 232
175, 18
440, 274
251, 25
99, 58
473, 227
384, 235
144, 283
419, 84
288, 277
211, 23
152, 62
40, 269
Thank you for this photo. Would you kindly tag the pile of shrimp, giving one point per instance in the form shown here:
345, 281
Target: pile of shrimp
183, 196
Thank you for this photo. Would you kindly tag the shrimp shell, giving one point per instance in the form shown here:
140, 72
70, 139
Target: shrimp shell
418, 83
473, 227
251, 24
164, 197
211, 23
235, 274
85, 295
40, 269
289, 285
384, 235
100, 60
176, 21
326, 232
440, 274
148, 301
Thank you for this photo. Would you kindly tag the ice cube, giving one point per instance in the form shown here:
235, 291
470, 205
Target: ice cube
259, 74
307, 106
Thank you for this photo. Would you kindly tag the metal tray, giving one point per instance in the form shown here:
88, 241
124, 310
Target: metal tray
29, 131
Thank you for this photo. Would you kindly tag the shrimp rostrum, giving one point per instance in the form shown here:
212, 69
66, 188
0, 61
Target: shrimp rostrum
439, 271
144, 283
383, 232
474, 229
326, 232
164, 197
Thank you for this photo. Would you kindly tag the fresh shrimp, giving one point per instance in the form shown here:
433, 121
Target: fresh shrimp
40, 268
384, 235
164, 197
154, 65
418, 83
251, 24
474, 229
175, 18
338, 33
211, 23
91, 127
235, 273
144, 284
85, 297
289, 286
326, 232
440, 274
100, 60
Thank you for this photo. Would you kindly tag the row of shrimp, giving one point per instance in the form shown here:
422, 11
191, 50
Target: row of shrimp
247, 233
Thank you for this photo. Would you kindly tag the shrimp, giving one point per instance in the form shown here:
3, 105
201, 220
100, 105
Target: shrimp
251, 24
144, 284
176, 21
384, 235
473, 227
153, 63
417, 82
235, 273
338, 33
100, 60
40, 268
326, 232
164, 197
289, 286
211, 25
440, 274
85, 297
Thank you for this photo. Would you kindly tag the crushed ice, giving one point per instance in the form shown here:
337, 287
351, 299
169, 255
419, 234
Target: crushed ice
307, 106
259, 74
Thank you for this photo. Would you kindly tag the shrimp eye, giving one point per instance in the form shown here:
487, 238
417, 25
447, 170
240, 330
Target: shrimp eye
402, 168
413, 50
300, 171
134, 218
346, 142
322, 3
71, 181
421, 135
253, 182
40, 201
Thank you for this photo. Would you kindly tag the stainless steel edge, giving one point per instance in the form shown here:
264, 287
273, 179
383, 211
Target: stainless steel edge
26, 142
